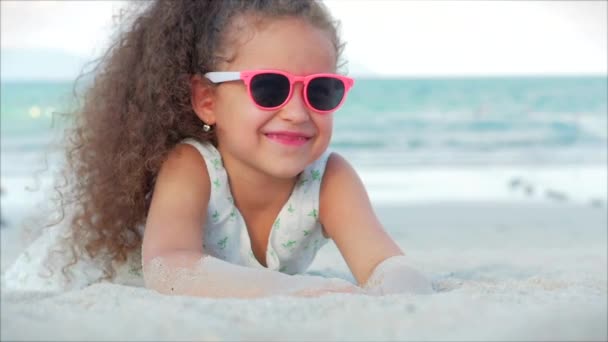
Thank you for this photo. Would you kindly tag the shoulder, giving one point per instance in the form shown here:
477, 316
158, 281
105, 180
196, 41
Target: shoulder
183, 175
184, 160
338, 170
335, 160
340, 183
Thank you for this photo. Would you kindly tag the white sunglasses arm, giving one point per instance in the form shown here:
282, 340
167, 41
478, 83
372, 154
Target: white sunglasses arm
223, 76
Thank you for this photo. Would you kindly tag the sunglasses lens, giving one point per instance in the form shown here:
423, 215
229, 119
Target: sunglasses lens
269, 90
325, 93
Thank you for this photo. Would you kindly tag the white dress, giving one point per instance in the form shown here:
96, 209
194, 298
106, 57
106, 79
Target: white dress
296, 234
294, 239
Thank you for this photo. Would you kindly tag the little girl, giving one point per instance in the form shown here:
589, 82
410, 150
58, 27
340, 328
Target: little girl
203, 141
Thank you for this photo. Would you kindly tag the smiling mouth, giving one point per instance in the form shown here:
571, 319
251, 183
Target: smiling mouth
288, 138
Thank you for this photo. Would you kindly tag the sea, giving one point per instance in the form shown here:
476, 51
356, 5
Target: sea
495, 188
410, 139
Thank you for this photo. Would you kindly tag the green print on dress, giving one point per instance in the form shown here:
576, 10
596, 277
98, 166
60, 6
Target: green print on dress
222, 243
233, 214
277, 224
313, 213
302, 181
216, 182
289, 244
215, 217
316, 175
217, 164
306, 232
291, 210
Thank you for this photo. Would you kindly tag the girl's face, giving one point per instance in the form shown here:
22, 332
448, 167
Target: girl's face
263, 141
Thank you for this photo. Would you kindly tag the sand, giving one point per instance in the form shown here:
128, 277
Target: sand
501, 271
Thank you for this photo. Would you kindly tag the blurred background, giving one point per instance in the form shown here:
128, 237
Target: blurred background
454, 100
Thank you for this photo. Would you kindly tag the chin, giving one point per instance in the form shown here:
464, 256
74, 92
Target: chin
287, 173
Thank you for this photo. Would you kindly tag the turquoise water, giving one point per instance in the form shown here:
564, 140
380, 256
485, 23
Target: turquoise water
403, 121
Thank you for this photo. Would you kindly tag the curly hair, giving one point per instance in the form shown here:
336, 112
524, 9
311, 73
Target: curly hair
137, 108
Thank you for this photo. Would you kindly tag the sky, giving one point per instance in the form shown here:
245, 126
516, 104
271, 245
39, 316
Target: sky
383, 38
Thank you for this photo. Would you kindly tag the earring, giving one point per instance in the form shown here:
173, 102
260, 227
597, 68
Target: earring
206, 128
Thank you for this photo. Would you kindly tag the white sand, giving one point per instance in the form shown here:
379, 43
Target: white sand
534, 271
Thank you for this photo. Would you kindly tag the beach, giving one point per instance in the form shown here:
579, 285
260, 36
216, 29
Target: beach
495, 189
478, 129
518, 269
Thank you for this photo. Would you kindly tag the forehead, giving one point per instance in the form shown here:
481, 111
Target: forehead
289, 44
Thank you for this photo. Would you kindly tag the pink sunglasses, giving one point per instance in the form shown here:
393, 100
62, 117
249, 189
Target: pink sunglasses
272, 89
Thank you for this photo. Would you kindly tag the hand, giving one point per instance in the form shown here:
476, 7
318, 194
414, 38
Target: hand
393, 276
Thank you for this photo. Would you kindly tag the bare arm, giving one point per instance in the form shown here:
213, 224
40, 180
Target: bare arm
349, 219
373, 257
172, 252
187, 273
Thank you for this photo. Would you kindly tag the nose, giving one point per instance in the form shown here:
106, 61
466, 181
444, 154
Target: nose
296, 110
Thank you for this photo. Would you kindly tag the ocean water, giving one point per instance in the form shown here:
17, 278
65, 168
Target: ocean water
475, 138
530, 270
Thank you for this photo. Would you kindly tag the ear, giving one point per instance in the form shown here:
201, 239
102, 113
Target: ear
203, 99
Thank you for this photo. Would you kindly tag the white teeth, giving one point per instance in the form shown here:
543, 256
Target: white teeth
287, 136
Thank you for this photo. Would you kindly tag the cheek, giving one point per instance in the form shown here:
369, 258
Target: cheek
231, 98
240, 117
231, 105
325, 124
